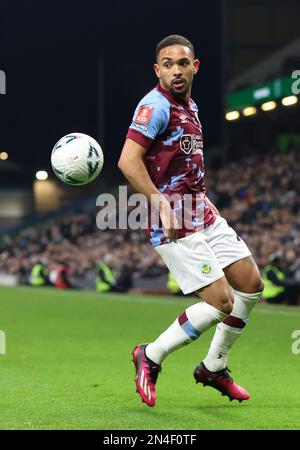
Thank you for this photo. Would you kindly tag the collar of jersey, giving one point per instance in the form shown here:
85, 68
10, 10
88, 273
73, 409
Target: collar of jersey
171, 97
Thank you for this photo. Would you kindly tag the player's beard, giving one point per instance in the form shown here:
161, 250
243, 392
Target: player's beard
181, 91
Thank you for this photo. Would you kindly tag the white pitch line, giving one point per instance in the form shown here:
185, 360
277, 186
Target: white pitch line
277, 313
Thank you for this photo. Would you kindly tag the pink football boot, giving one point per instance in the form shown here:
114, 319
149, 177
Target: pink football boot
221, 381
146, 374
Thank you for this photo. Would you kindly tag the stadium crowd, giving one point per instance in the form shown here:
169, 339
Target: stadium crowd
76, 240
258, 195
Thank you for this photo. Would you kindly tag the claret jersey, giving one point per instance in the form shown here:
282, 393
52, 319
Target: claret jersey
170, 131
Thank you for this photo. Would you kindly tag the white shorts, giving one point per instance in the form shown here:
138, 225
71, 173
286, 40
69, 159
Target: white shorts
198, 260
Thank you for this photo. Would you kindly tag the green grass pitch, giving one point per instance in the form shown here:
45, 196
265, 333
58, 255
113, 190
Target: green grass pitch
68, 365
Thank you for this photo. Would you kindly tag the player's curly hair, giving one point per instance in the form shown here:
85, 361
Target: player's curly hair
174, 39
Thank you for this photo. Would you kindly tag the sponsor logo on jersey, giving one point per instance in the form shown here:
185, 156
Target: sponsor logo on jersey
144, 114
137, 125
206, 268
183, 118
191, 143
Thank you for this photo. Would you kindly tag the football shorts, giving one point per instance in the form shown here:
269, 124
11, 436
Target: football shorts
198, 259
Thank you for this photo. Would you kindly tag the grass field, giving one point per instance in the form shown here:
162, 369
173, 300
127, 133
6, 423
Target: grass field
68, 365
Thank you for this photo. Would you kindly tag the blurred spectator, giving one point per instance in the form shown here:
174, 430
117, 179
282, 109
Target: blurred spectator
108, 279
278, 287
60, 276
105, 277
172, 285
39, 275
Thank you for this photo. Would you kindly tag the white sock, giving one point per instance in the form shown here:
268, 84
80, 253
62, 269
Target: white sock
186, 328
228, 331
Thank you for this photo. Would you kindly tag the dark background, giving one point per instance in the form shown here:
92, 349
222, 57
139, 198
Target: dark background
54, 55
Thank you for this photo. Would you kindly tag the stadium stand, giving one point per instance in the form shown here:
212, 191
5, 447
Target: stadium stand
258, 194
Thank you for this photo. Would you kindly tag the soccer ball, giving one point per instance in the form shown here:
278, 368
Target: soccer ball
77, 159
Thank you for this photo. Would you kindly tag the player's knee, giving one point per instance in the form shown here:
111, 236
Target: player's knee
226, 307
226, 303
256, 285
260, 286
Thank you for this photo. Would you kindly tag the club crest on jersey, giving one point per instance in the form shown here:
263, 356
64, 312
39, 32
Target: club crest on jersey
144, 114
191, 142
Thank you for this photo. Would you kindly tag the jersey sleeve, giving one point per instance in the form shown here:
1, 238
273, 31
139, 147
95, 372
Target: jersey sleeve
150, 120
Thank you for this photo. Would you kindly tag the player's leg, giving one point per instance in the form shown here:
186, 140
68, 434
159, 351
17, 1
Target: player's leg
194, 320
187, 327
195, 267
219, 377
243, 275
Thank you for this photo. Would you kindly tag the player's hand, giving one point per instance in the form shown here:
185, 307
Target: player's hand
169, 221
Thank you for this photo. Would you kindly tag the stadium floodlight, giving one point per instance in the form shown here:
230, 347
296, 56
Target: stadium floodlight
268, 106
3, 156
290, 100
232, 115
249, 111
41, 175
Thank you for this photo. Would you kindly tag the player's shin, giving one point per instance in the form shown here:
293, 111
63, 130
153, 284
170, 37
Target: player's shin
229, 330
193, 322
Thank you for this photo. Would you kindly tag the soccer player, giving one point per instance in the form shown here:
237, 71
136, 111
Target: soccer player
162, 155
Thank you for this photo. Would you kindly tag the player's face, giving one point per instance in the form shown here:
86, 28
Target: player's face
175, 69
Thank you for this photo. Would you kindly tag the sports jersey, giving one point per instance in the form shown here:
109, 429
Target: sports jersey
170, 131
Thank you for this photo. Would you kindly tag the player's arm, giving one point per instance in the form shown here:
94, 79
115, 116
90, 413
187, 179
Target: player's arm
133, 168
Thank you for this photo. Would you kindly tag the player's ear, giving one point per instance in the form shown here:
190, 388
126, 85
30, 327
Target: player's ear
156, 70
196, 64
